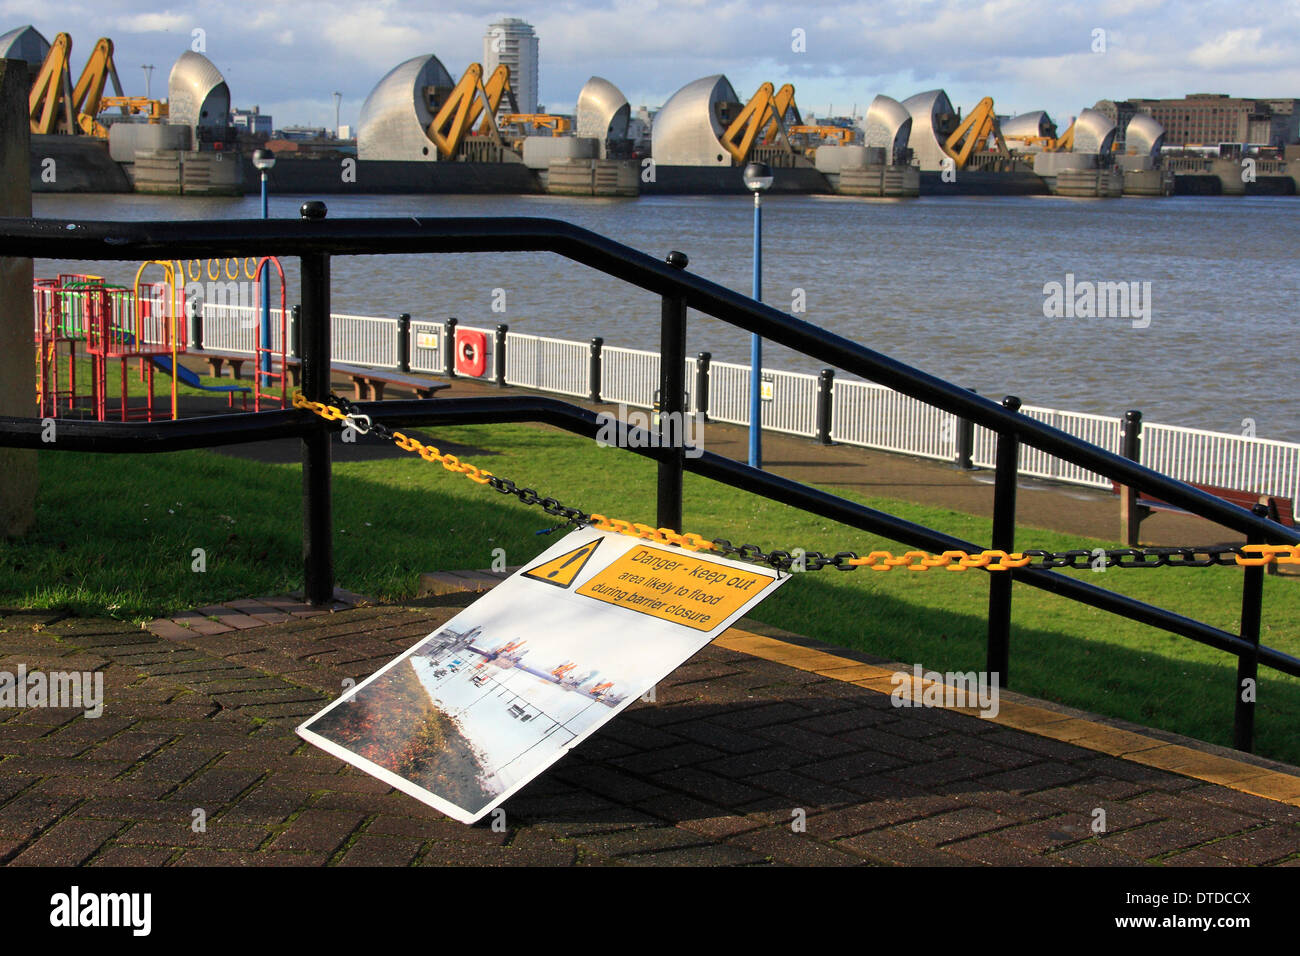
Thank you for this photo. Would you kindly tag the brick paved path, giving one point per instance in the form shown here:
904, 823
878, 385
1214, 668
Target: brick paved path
712, 773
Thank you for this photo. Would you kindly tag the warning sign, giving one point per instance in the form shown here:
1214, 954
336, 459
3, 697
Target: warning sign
468, 716
676, 587
562, 570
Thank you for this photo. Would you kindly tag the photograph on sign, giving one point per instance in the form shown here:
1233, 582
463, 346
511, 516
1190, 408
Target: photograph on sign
480, 707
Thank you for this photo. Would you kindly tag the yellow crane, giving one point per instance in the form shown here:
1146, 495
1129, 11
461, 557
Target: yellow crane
761, 120
82, 103
51, 88
973, 132
89, 92
464, 105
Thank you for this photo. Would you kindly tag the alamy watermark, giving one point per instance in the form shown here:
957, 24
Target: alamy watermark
1086, 299
977, 690
664, 430
83, 690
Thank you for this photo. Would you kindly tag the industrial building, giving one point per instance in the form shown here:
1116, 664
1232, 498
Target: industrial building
1207, 119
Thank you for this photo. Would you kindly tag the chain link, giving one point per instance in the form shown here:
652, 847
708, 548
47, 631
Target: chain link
797, 559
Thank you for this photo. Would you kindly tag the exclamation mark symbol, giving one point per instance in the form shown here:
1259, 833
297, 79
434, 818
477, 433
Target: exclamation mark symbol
574, 557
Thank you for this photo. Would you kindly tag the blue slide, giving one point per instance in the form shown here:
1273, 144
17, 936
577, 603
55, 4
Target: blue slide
189, 378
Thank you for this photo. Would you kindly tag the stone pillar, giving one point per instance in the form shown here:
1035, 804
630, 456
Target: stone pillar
17, 362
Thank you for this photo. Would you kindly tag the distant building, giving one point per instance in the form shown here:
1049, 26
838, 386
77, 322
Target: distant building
1118, 112
301, 134
1207, 119
511, 41
345, 131
253, 121
1286, 115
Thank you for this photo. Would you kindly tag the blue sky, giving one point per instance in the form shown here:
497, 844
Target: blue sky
289, 57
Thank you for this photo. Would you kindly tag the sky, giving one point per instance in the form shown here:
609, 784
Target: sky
290, 57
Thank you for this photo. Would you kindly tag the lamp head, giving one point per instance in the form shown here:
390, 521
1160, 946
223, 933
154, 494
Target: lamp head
263, 159
758, 177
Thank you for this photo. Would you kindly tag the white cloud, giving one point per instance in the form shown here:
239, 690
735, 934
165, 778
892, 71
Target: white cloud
1025, 53
157, 22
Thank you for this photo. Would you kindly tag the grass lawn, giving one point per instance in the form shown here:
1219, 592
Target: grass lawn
116, 536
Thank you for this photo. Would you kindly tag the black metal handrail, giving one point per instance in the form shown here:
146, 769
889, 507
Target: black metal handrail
315, 241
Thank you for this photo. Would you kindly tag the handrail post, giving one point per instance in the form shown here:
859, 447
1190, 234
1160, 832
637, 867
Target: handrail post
1130, 512
449, 348
404, 343
825, 408
672, 393
499, 354
593, 368
702, 362
965, 444
1004, 535
1247, 691
318, 518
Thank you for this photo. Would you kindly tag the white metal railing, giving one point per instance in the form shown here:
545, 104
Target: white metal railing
1241, 462
792, 407
549, 365
1104, 431
630, 376
873, 416
862, 413
233, 328
363, 340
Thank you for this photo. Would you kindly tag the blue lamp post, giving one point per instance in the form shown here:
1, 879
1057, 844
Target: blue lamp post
758, 178
263, 160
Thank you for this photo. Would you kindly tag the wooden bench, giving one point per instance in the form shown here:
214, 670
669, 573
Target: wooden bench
236, 362
1280, 509
368, 383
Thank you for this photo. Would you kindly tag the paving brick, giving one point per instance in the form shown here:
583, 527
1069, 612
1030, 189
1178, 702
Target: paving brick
714, 854
132, 856
1264, 845
181, 833
317, 829
889, 847
370, 850
68, 843
640, 840
708, 775
784, 845
955, 825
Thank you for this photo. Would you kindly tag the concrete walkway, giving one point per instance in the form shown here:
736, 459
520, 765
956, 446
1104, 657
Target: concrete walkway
757, 751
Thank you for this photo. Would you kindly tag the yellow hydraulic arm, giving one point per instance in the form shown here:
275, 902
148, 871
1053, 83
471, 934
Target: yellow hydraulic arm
781, 104
156, 109
1059, 144
556, 124
463, 106
765, 108
841, 133
52, 87
974, 132
90, 88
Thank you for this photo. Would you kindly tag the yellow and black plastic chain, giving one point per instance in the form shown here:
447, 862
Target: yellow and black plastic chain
342, 410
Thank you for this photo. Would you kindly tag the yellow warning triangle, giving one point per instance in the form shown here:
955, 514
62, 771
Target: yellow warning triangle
562, 570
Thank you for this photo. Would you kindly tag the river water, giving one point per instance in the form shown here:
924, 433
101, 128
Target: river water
952, 285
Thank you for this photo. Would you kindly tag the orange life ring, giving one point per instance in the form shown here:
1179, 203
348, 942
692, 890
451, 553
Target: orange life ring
471, 353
